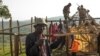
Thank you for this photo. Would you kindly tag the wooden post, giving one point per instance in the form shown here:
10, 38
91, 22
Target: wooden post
47, 29
31, 24
3, 35
10, 26
19, 37
67, 37
67, 44
16, 45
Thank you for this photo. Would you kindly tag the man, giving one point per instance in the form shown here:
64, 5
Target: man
66, 11
82, 14
36, 43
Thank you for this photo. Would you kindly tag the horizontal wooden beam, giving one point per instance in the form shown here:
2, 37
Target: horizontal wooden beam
44, 34
5, 33
63, 20
16, 27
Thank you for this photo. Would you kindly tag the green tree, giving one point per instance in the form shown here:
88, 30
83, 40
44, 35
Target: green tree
4, 12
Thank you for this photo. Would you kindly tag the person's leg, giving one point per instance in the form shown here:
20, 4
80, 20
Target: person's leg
83, 19
65, 16
55, 44
73, 53
80, 21
98, 50
62, 41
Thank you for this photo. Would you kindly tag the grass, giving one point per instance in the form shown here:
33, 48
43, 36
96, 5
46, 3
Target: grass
6, 51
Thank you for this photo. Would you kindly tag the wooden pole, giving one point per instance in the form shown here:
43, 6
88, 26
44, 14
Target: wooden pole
20, 47
3, 35
67, 43
47, 31
11, 45
31, 24
16, 45
67, 37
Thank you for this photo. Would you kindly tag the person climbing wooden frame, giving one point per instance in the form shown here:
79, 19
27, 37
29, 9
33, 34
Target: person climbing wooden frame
66, 11
82, 14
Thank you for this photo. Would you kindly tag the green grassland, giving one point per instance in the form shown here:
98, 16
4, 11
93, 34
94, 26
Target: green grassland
6, 51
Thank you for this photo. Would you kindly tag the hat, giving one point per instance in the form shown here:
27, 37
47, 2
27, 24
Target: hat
40, 21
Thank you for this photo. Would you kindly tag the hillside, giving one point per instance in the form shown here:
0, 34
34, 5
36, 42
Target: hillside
56, 18
25, 29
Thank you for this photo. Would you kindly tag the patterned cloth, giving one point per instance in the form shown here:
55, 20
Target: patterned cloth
43, 48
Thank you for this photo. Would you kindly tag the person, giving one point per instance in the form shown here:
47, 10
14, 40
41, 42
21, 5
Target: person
53, 29
61, 30
71, 39
82, 14
98, 43
66, 10
75, 47
36, 43
51, 32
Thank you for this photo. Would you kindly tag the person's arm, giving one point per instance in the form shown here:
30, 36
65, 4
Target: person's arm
31, 47
55, 44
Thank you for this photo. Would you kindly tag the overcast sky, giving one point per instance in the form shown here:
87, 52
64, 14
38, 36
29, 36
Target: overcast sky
25, 9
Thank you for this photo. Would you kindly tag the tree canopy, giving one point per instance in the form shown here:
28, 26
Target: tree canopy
4, 12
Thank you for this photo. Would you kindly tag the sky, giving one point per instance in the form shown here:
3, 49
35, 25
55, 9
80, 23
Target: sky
25, 9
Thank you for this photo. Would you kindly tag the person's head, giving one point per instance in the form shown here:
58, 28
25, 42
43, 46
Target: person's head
69, 4
81, 6
60, 21
93, 22
88, 11
40, 25
51, 22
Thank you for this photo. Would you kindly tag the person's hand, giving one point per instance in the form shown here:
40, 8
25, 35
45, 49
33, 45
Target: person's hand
39, 42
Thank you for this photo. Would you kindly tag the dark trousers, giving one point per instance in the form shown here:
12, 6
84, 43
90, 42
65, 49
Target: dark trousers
62, 41
98, 49
73, 53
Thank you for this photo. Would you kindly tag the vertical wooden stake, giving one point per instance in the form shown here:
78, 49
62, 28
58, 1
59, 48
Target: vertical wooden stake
31, 23
11, 45
16, 45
